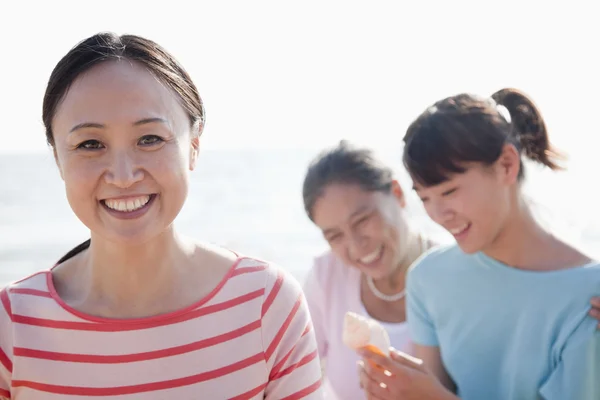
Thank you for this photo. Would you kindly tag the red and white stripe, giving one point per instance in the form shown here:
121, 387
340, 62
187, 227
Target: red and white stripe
251, 338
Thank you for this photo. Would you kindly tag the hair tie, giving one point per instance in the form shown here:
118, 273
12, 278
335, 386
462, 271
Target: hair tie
502, 110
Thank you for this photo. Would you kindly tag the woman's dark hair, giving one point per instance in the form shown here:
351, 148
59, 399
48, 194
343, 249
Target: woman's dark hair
465, 128
344, 164
109, 46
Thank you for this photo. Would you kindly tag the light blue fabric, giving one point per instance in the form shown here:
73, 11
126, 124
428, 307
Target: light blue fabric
505, 333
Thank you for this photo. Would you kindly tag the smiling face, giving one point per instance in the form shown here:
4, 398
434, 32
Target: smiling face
365, 229
475, 206
124, 147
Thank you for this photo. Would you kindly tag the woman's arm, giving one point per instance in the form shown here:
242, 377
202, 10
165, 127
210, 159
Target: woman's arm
432, 359
577, 372
316, 302
400, 376
290, 347
5, 345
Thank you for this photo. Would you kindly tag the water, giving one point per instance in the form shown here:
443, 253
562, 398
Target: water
249, 201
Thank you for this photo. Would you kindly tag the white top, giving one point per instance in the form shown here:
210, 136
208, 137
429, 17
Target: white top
333, 288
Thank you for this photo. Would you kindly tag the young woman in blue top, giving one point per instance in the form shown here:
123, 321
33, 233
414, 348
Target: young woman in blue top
503, 313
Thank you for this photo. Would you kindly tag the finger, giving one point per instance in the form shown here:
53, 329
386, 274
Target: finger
377, 373
377, 358
595, 302
594, 313
372, 388
406, 360
359, 366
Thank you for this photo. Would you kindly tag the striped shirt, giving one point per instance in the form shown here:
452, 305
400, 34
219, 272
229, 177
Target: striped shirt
250, 338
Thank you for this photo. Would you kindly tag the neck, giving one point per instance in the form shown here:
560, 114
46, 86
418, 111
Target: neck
412, 250
121, 273
521, 241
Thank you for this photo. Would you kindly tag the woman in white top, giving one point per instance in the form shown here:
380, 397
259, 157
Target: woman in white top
359, 206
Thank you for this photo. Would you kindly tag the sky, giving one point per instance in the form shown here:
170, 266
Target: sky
283, 74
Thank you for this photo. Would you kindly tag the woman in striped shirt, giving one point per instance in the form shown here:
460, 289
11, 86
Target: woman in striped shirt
139, 312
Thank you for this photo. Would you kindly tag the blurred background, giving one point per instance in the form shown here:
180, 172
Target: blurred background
282, 80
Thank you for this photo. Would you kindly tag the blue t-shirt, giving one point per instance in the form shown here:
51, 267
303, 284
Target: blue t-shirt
505, 333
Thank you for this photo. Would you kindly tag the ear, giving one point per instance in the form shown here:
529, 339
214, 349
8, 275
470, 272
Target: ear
509, 164
60, 171
398, 193
194, 150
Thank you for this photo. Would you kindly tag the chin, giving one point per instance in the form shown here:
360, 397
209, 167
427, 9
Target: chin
376, 273
131, 238
469, 248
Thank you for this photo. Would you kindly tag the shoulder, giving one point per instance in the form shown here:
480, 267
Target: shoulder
439, 265
582, 282
36, 283
18, 294
266, 276
328, 268
282, 297
590, 268
216, 256
437, 258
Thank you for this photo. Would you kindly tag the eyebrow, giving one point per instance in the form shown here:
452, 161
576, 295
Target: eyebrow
143, 121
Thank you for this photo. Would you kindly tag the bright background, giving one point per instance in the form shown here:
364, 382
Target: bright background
281, 80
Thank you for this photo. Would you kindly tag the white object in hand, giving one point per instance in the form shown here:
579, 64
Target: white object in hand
360, 332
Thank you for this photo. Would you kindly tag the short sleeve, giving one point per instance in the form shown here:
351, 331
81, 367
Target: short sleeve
316, 301
577, 373
421, 327
289, 341
5, 345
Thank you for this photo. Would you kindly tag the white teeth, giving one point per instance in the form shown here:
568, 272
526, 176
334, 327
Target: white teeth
458, 230
127, 205
369, 258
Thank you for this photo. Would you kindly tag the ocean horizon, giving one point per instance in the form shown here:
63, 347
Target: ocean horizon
247, 200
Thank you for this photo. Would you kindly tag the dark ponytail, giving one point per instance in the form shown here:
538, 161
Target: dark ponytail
76, 250
465, 128
528, 127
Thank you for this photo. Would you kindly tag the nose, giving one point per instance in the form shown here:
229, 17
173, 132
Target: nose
356, 245
123, 170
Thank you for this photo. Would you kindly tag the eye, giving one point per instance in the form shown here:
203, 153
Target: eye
424, 199
90, 145
333, 238
150, 140
362, 220
449, 192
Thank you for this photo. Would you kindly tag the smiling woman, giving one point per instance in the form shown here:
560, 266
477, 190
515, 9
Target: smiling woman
137, 310
354, 199
503, 313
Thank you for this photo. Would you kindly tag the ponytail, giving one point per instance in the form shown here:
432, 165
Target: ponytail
78, 249
528, 127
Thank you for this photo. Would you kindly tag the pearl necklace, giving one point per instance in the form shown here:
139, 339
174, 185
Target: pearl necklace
396, 296
383, 296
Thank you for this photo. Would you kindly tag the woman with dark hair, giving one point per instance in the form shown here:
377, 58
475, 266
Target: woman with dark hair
503, 313
139, 311
359, 206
